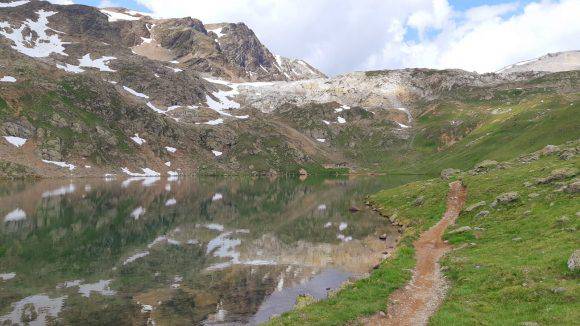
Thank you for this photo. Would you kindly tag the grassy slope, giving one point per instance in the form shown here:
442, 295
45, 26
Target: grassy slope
515, 280
528, 124
368, 296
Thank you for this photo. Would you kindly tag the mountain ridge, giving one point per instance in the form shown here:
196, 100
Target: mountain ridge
86, 92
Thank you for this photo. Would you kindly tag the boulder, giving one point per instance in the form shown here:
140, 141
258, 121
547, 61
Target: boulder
558, 174
573, 187
419, 201
482, 214
461, 230
550, 149
475, 206
303, 172
484, 166
574, 261
506, 198
446, 174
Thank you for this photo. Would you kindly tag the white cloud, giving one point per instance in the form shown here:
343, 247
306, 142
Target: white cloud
346, 35
482, 40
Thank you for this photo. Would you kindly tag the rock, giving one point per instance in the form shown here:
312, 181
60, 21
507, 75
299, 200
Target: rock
558, 174
529, 158
18, 128
484, 166
559, 290
419, 201
529, 323
568, 154
382, 313
549, 150
475, 206
303, 172
354, 209
574, 261
505, 198
29, 313
446, 174
461, 230
573, 187
517, 239
482, 214
534, 195
383, 236
563, 220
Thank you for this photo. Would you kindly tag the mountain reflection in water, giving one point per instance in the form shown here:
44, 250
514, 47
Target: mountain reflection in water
180, 251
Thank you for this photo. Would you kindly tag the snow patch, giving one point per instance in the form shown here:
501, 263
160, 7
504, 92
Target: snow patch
170, 149
101, 63
8, 79
16, 141
61, 164
70, 68
47, 310
342, 226
137, 212
217, 196
340, 120
40, 45
13, 4
138, 140
218, 32
216, 153
114, 16
7, 276
101, 287
16, 215
147, 172
135, 257
321, 140
171, 202
214, 122
135, 93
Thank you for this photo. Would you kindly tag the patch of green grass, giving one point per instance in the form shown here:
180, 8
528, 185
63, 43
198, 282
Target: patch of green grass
514, 270
367, 296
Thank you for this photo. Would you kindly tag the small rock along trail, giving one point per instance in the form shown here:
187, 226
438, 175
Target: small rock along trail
420, 298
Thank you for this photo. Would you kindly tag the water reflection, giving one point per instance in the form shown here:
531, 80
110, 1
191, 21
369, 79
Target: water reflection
179, 251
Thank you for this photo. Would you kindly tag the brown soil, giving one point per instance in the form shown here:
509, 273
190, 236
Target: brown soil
418, 300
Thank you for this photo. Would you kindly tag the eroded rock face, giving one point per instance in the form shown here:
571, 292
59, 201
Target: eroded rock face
506, 198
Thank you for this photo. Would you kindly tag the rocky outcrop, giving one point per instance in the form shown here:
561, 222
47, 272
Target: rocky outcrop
552, 62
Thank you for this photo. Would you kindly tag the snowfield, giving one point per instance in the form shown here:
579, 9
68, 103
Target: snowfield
40, 46
16, 141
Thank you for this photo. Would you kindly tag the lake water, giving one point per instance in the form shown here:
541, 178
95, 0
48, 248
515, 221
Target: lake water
183, 251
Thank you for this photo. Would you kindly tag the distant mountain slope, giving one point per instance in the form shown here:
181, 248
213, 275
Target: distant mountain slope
552, 62
93, 92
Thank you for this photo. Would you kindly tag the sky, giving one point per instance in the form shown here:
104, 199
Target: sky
338, 36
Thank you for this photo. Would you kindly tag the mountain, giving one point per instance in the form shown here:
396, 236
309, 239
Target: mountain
94, 92
552, 62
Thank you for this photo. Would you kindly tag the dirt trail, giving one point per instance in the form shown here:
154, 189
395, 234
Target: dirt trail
418, 300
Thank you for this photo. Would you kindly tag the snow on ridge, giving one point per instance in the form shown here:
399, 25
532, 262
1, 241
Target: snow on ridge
8, 79
44, 44
13, 3
16, 141
135, 93
61, 164
114, 16
218, 32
